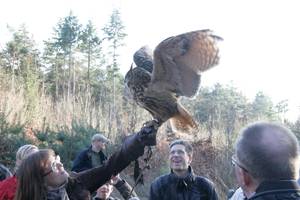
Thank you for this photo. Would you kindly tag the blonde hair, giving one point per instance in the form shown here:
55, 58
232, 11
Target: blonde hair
24, 151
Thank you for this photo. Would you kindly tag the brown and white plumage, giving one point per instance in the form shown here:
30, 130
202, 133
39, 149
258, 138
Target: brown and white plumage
156, 84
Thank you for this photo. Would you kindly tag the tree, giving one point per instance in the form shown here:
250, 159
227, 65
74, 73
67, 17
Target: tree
262, 107
114, 34
54, 71
67, 33
90, 46
281, 109
23, 64
21, 57
220, 108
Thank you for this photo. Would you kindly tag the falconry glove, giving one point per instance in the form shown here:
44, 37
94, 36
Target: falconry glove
147, 134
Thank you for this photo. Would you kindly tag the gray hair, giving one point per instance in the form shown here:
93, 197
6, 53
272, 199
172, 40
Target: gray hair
268, 151
188, 147
100, 137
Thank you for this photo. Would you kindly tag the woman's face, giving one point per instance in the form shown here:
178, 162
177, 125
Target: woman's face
55, 174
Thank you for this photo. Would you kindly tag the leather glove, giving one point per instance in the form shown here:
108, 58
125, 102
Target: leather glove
147, 134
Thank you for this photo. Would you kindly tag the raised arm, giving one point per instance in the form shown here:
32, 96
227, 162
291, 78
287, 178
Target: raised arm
132, 148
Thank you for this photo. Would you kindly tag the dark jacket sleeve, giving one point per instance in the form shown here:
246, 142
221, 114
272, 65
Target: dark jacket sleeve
125, 189
81, 162
131, 149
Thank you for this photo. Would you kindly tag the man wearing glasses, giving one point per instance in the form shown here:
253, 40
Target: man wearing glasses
266, 162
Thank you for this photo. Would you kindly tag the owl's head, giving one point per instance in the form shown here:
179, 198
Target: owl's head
137, 77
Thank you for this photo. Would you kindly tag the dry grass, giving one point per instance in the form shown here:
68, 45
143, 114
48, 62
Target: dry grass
211, 158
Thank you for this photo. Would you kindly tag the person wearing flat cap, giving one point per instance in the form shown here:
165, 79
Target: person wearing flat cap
92, 156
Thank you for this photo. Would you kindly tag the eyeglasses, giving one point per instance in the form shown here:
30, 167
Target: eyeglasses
234, 162
54, 166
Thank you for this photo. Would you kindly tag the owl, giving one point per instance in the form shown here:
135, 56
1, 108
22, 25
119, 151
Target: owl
172, 71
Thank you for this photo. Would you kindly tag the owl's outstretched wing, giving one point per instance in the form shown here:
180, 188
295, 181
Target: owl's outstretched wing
179, 60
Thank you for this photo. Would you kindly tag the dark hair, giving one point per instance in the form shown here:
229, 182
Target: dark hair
31, 184
268, 151
4, 172
188, 147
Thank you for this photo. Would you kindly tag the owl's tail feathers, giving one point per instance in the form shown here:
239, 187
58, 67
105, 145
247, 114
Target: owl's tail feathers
183, 121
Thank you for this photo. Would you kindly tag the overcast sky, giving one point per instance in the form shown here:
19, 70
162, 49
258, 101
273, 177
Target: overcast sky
260, 51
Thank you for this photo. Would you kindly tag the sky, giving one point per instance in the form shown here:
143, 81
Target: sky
260, 51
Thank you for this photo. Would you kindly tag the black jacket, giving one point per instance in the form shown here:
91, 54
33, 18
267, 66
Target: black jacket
83, 161
192, 187
277, 190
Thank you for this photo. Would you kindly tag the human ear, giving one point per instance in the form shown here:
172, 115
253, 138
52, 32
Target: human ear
190, 156
246, 178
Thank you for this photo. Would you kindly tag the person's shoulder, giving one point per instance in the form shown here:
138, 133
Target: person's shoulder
159, 185
8, 187
9, 181
161, 180
204, 181
84, 151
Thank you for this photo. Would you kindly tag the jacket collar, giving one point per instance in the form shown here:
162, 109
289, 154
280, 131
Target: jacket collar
185, 182
277, 185
57, 194
190, 174
267, 187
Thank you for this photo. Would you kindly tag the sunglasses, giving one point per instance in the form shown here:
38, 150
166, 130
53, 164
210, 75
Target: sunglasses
234, 162
55, 164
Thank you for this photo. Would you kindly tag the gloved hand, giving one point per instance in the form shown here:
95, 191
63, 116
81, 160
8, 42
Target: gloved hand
148, 132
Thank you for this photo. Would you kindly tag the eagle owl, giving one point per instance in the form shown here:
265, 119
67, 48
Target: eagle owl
158, 81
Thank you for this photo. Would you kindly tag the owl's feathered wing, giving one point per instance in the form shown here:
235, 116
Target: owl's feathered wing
176, 71
179, 61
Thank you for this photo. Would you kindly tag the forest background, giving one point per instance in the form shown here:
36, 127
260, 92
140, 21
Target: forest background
59, 95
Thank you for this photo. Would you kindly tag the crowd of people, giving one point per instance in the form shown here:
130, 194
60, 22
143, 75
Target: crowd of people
266, 165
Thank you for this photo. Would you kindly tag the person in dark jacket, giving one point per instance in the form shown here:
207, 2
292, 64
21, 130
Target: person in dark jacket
92, 156
266, 162
182, 183
42, 176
